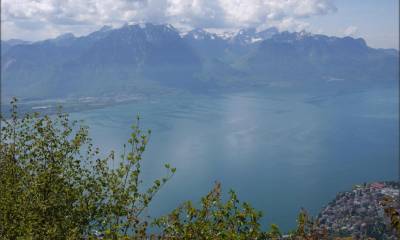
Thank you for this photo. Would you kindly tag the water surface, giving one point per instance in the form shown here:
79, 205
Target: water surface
279, 151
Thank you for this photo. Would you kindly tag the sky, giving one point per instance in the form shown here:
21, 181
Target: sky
377, 21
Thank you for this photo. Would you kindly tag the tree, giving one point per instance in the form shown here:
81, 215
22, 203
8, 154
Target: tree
215, 220
54, 185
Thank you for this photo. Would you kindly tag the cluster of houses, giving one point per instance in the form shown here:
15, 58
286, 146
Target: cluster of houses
361, 212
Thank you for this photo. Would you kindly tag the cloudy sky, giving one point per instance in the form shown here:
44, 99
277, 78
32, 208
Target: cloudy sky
374, 20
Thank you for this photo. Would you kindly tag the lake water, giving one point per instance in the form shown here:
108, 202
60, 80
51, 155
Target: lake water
278, 151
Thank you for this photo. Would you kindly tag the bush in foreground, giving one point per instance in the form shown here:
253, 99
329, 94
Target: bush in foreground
54, 185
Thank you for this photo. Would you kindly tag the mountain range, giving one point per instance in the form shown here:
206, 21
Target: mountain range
144, 57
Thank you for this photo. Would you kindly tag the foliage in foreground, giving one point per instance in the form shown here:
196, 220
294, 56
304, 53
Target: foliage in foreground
55, 185
215, 220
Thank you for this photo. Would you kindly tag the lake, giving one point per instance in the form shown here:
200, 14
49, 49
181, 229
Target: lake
278, 151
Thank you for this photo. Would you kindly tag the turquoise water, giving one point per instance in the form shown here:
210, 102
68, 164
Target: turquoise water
279, 151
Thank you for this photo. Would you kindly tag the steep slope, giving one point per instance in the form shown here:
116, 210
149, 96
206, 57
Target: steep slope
106, 61
139, 58
301, 58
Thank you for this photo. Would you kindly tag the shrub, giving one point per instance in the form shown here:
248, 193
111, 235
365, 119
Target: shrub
215, 220
54, 185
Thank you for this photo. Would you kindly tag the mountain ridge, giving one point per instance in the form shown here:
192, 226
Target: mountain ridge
126, 59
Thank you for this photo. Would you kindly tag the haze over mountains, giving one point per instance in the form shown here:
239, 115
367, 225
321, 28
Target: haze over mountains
145, 57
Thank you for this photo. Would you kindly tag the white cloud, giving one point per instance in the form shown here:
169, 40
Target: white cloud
350, 31
47, 18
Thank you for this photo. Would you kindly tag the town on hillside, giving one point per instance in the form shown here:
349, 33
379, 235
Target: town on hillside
364, 212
